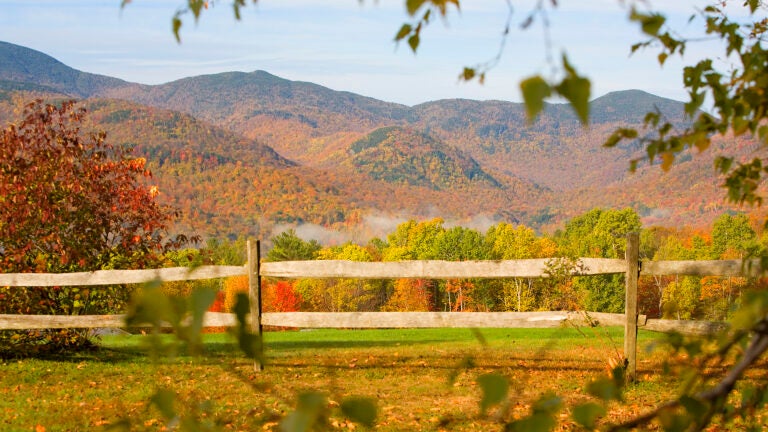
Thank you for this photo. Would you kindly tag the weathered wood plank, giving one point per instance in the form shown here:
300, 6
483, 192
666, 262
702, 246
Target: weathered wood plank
351, 320
379, 270
21, 322
29, 322
254, 296
429, 269
684, 327
432, 319
219, 319
702, 268
632, 255
602, 319
116, 277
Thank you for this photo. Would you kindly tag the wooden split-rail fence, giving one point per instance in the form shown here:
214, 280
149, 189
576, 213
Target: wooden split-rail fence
631, 267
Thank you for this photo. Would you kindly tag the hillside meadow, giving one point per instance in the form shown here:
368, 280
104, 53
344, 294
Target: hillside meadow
421, 379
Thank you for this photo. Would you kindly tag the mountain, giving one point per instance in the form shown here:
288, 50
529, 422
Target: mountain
22, 65
278, 112
240, 152
165, 136
306, 122
222, 183
405, 156
224, 96
630, 105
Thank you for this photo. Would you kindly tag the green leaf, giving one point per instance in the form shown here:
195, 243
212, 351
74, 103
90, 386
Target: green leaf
576, 90
309, 408
242, 307
667, 159
250, 344
649, 23
495, 389
651, 118
176, 25
605, 389
535, 89
311, 401
762, 133
467, 74
695, 407
149, 306
723, 164
548, 403
122, 425
405, 30
587, 414
297, 421
673, 422
196, 6
413, 42
618, 135
537, 422
360, 410
236, 6
163, 399
697, 99
202, 299
413, 6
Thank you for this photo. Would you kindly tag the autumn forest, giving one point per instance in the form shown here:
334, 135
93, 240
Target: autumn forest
254, 155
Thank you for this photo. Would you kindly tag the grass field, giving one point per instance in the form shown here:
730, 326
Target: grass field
420, 379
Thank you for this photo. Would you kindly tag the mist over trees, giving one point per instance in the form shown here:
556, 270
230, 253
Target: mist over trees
599, 233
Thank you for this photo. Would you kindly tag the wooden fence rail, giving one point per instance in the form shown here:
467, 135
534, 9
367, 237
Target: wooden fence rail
119, 277
530, 268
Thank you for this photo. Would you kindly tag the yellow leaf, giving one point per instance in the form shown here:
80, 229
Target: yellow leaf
666, 160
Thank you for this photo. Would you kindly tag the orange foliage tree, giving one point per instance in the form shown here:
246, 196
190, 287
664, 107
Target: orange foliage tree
69, 202
280, 297
411, 295
232, 287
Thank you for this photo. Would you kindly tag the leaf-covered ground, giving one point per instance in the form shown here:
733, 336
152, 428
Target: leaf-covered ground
419, 379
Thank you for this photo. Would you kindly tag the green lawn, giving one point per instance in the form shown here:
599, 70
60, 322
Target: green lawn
420, 379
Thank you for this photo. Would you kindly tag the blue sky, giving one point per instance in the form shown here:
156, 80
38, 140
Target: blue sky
348, 45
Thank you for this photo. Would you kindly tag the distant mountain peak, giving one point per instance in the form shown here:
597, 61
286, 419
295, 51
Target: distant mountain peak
25, 65
632, 105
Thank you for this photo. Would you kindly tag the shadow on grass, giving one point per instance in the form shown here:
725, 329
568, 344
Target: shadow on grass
280, 346
137, 348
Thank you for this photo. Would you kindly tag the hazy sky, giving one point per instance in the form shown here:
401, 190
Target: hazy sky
348, 45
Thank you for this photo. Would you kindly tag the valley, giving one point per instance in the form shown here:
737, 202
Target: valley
248, 153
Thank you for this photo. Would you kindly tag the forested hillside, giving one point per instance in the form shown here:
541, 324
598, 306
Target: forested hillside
239, 153
23, 65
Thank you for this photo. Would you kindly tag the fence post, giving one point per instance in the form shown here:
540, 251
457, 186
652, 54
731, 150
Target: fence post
630, 304
254, 295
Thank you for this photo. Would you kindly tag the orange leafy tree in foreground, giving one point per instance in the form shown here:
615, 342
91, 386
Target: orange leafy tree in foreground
70, 201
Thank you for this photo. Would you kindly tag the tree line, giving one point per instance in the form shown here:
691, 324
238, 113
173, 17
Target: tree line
598, 233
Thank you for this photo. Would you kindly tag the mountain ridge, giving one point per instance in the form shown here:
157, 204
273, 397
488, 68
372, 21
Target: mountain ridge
457, 156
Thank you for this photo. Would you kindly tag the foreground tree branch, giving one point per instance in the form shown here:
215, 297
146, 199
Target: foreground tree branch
715, 397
